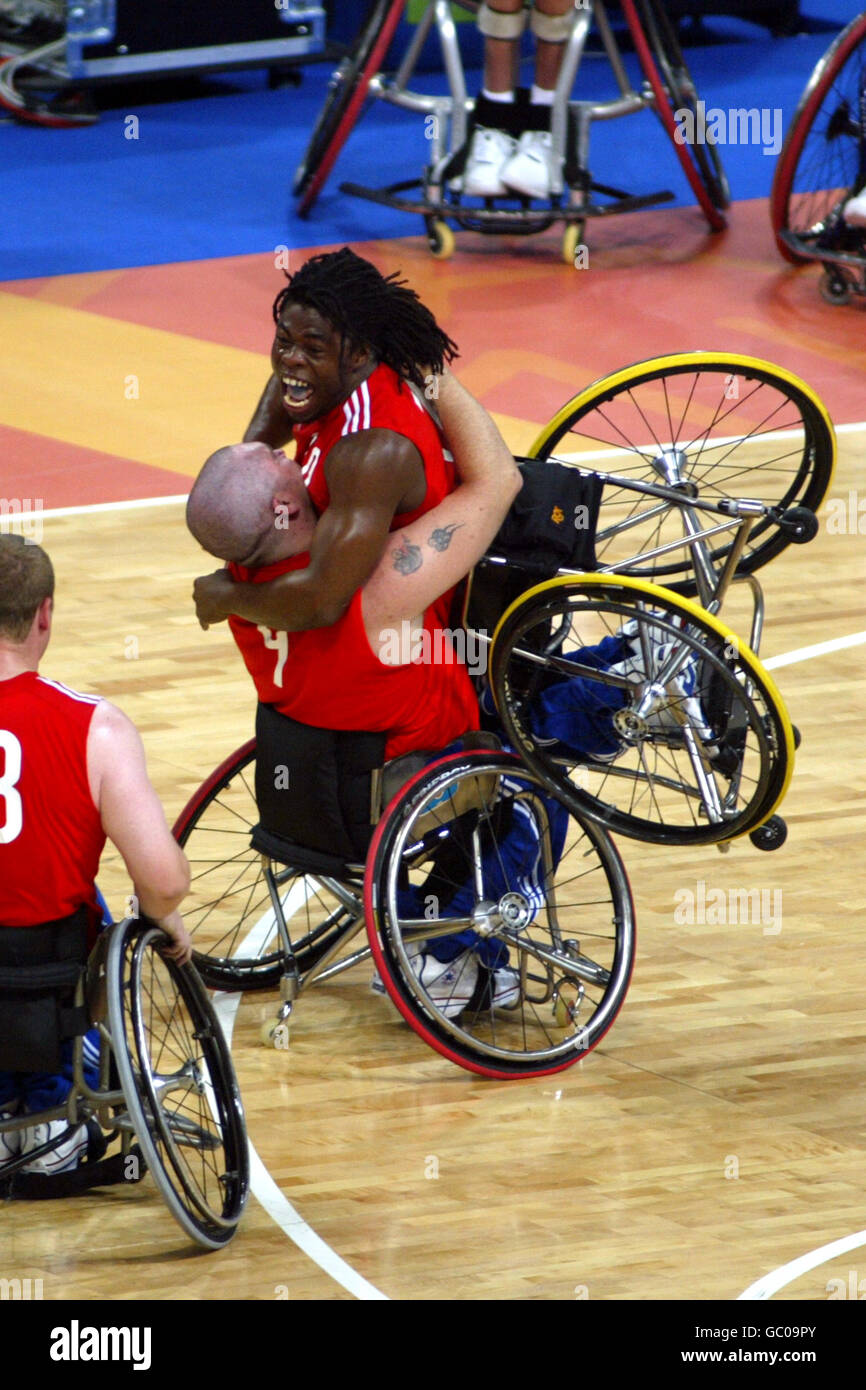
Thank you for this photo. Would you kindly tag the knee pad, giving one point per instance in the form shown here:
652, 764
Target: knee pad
552, 28
493, 24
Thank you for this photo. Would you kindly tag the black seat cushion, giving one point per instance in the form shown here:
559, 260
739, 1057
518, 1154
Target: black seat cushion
39, 968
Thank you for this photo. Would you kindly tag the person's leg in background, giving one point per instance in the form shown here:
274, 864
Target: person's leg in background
498, 124
511, 149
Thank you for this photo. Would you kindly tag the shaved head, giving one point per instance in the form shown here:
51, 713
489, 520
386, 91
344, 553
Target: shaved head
249, 504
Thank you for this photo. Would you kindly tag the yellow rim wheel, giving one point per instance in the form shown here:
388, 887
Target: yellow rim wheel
729, 425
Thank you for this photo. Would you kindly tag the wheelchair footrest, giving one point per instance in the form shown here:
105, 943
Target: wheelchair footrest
477, 218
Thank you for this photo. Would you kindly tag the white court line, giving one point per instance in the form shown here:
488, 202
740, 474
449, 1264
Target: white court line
92, 507
835, 644
262, 1185
786, 1274
591, 456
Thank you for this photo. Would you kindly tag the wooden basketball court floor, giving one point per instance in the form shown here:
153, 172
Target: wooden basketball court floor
713, 1145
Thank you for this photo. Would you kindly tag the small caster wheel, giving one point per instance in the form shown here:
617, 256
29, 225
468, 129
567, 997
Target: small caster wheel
274, 1033
799, 524
771, 835
440, 239
798, 737
567, 1005
834, 289
572, 239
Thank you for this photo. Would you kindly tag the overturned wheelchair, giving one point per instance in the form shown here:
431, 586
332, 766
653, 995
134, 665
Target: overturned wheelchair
156, 1092
497, 908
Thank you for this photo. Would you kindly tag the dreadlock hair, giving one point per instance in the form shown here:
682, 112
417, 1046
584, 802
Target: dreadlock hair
370, 310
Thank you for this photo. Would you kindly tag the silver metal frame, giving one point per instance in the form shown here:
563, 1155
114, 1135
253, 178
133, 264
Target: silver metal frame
449, 130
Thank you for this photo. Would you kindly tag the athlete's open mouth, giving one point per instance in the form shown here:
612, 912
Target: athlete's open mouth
296, 393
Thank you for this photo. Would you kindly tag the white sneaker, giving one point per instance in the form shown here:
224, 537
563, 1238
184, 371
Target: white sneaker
506, 987
854, 211
488, 152
450, 985
10, 1144
61, 1159
532, 169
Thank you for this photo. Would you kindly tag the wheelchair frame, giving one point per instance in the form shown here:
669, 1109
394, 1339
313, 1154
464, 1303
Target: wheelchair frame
137, 1099
667, 89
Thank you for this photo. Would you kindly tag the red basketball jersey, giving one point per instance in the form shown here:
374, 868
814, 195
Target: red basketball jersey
330, 677
51, 836
383, 401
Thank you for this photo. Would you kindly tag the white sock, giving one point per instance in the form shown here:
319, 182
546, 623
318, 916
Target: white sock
506, 97
540, 96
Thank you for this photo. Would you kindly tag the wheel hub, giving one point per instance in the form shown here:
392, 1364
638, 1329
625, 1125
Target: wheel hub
629, 726
672, 465
515, 911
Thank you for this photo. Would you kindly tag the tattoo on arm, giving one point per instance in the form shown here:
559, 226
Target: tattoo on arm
407, 557
441, 537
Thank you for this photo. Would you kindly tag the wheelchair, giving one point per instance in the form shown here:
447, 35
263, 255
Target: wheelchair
513, 844
821, 165
166, 1098
678, 435
664, 86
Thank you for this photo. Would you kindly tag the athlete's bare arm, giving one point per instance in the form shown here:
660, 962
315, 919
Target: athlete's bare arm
371, 477
428, 557
270, 424
133, 819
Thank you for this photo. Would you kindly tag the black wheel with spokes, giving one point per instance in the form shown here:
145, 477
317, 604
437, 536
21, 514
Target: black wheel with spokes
674, 93
180, 1088
347, 92
699, 154
823, 160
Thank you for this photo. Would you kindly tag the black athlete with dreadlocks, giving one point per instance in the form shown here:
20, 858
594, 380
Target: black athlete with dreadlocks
348, 339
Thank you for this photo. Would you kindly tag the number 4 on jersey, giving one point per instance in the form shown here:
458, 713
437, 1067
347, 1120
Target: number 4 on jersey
276, 642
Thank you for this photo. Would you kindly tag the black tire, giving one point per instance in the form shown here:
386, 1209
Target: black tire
539, 882
740, 428
683, 94
228, 903
689, 761
824, 155
347, 91
179, 1084
673, 91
